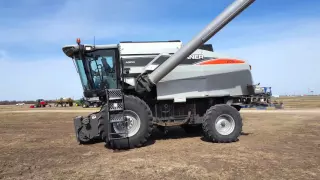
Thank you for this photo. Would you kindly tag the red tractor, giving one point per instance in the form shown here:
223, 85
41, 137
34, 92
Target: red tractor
40, 103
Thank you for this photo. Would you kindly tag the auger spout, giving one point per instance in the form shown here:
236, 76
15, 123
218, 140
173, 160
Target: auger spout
145, 82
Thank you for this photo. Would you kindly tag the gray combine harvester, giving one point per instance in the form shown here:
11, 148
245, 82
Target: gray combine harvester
145, 85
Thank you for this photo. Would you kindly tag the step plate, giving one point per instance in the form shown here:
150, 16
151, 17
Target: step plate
116, 107
114, 94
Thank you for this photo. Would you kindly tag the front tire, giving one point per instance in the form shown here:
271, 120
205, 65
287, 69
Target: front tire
140, 117
222, 123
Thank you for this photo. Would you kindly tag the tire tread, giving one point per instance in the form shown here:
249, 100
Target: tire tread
209, 120
120, 144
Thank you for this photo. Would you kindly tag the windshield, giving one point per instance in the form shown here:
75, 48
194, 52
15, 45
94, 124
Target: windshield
97, 71
82, 74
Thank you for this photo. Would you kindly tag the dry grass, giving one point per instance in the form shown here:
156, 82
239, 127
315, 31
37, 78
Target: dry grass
300, 102
274, 146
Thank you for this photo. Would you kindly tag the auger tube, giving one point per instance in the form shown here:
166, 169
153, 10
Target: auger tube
217, 24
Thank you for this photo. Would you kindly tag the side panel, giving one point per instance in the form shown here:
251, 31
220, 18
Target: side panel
199, 81
202, 74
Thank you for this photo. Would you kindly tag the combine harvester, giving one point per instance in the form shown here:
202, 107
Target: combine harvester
144, 85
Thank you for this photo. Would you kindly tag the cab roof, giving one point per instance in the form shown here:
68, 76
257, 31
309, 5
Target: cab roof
70, 49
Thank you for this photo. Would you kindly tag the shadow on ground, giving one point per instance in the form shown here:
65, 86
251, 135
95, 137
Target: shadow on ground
172, 133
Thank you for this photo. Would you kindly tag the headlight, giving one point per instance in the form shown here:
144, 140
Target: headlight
88, 48
93, 116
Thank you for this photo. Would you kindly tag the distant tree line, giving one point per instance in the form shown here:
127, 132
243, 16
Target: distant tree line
26, 102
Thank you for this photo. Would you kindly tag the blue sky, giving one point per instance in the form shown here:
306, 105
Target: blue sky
280, 39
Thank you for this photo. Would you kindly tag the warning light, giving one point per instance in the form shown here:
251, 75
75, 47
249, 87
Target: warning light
78, 41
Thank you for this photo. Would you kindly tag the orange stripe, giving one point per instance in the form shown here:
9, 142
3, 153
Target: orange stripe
222, 61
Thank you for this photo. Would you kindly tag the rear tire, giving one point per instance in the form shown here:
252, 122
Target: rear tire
143, 112
222, 123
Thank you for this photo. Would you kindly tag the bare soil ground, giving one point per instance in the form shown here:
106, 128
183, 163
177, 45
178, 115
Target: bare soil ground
301, 102
279, 145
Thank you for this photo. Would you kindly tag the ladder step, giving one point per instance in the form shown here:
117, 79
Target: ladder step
115, 110
114, 98
116, 106
117, 121
117, 133
117, 118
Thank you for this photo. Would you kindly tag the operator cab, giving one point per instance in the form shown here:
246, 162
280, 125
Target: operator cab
97, 66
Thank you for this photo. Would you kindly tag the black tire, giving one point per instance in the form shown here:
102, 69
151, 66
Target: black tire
192, 129
208, 125
146, 125
81, 137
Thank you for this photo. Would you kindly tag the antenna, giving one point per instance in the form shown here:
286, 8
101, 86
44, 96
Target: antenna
94, 41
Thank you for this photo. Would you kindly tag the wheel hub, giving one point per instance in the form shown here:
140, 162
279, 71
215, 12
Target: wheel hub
225, 124
132, 126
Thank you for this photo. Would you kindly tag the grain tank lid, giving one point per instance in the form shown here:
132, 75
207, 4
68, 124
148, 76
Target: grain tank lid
149, 47
218, 55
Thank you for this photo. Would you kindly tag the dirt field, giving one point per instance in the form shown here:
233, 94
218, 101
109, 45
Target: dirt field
302, 102
274, 145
